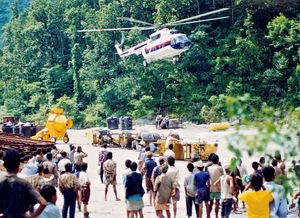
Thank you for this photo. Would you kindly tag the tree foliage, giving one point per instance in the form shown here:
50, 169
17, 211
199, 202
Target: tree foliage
45, 61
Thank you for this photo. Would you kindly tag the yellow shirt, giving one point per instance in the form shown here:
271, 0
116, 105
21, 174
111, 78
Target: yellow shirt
257, 202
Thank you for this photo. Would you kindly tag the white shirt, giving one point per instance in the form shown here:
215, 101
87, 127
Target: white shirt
78, 157
168, 153
169, 141
173, 173
83, 178
126, 172
61, 164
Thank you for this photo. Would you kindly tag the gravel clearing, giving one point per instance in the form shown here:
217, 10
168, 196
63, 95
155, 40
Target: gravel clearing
99, 208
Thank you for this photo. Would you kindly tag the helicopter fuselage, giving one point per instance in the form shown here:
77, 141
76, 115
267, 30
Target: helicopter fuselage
163, 44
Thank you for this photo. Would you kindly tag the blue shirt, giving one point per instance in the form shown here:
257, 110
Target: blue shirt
135, 197
150, 164
201, 177
29, 169
50, 210
278, 207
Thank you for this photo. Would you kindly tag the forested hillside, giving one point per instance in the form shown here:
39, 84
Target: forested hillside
6, 7
46, 63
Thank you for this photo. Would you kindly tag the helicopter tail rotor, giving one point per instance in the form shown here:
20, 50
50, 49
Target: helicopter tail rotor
118, 45
122, 41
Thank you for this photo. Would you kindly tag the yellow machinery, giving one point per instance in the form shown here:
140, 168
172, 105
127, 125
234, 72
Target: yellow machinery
203, 149
219, 126
178, 148
185, 151
56, 127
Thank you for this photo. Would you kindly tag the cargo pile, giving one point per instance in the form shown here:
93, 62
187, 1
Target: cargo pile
24, 145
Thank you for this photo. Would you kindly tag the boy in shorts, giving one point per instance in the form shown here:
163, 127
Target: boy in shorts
110, 169
85, 188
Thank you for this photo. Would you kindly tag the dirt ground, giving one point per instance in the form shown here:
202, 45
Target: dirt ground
111, 208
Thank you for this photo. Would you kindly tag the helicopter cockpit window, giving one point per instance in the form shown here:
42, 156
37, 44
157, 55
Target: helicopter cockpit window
153, 38
173, 32
180, 42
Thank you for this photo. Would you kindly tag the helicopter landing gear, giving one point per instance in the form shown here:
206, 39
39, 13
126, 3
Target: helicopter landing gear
145, 63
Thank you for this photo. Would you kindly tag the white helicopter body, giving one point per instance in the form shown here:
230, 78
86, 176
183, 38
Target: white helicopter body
164, 43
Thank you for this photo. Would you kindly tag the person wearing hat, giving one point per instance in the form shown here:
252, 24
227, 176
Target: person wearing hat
150, 164
202, 183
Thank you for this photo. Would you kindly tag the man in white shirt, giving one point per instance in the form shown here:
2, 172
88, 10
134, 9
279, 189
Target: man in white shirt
169, 153
63, 162
173, 173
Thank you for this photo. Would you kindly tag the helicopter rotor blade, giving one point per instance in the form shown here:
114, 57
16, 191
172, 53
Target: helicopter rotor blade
135, 20
198, 16
117, 29
196, 21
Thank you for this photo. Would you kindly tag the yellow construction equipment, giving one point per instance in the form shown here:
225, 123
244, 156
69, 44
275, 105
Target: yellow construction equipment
219, 126
56, 127
202, 149
178, 148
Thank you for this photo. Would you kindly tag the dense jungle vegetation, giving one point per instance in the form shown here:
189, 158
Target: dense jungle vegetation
46, 63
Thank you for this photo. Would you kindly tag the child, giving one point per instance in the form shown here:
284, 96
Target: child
51, 210
85, 188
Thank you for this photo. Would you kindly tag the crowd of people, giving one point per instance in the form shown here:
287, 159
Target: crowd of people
28, 185
210, 184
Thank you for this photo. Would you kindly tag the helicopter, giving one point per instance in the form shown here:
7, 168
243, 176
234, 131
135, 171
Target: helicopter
163, 44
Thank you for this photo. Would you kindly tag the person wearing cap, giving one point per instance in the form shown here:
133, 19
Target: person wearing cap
150, 164
195, 158
202, 183
225, 185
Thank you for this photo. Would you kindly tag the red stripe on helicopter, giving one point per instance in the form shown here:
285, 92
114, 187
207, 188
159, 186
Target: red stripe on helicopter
155, 48
138, 47
124, 53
